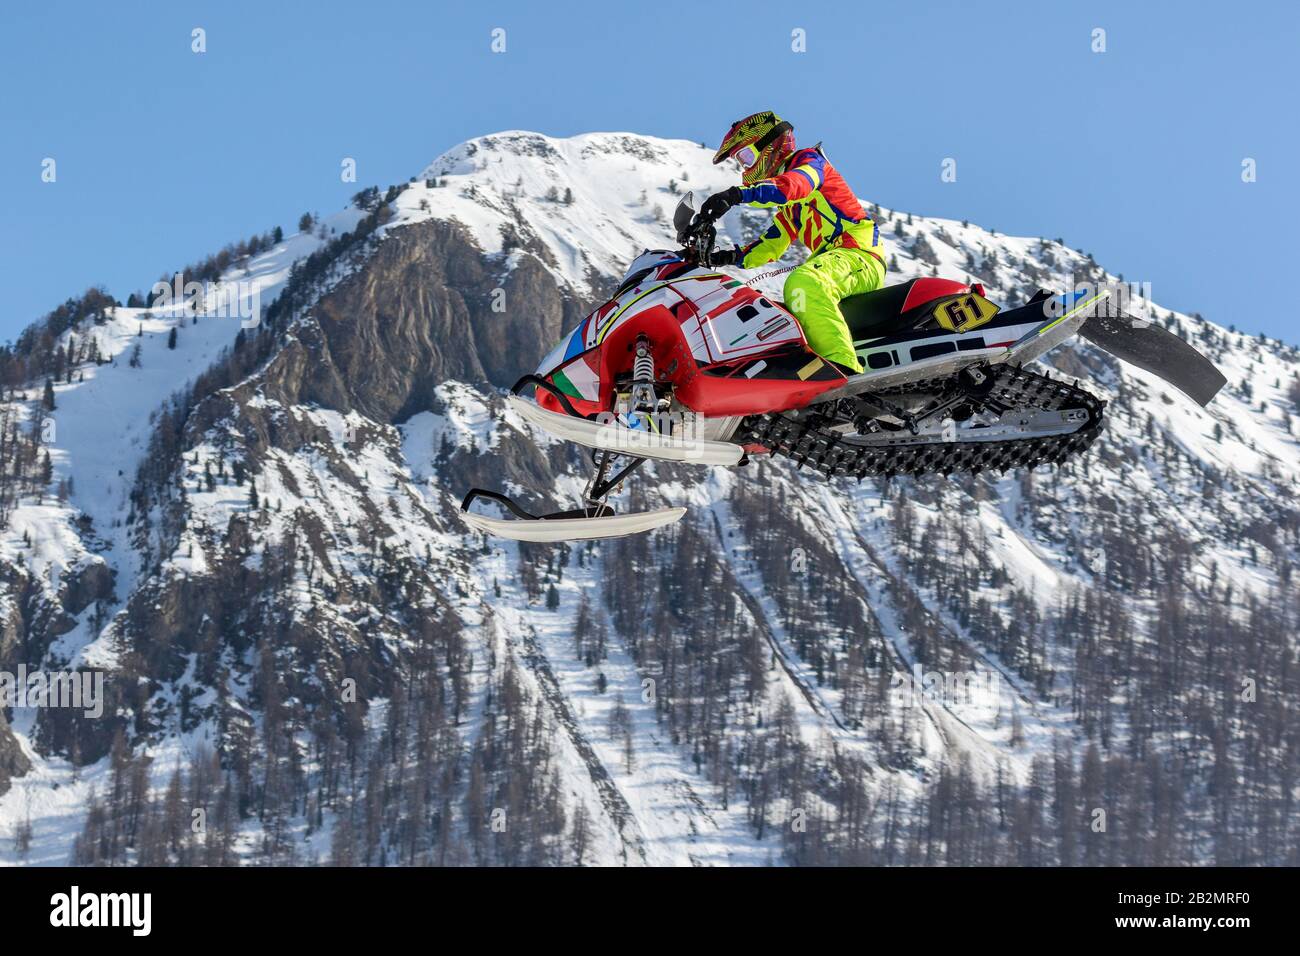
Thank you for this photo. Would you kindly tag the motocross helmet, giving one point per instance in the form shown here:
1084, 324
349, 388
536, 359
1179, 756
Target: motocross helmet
761, 143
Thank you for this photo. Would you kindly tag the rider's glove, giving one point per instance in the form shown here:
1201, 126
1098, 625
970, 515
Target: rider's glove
718, 257
716, 206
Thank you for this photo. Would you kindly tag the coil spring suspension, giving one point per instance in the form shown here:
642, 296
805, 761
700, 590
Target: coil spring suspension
643, 377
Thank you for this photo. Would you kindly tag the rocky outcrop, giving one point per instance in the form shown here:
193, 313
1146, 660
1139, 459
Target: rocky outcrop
427, 307
33, 617
13, 762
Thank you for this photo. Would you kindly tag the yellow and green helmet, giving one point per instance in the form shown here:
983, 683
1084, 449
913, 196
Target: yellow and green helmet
760, 143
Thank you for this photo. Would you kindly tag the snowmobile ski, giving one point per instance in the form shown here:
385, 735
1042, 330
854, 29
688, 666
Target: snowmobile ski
578, 525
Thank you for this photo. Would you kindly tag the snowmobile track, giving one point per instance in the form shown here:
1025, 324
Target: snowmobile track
834, 456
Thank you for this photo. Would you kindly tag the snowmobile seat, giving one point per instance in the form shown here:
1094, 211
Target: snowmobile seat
898, 308
876, 313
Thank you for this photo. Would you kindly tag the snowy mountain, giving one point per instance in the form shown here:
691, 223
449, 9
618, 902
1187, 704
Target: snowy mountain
250, 530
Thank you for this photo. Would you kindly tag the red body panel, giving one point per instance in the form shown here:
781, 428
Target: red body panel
716, 396
729, 392
928, 288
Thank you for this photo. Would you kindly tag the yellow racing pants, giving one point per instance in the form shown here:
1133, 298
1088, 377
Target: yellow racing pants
813, 292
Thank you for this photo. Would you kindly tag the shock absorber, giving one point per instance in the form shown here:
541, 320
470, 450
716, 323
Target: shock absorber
643, 378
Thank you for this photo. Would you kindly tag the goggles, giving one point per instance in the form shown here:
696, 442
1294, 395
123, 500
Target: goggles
747, 156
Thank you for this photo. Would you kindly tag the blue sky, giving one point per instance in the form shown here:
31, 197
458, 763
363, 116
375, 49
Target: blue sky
1134, 154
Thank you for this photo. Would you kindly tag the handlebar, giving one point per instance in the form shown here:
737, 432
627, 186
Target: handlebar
699, 239
695, 231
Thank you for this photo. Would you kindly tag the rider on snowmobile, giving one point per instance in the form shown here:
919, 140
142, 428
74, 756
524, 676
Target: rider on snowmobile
814, 206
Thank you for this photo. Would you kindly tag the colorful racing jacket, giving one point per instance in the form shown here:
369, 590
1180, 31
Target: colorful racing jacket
816, 208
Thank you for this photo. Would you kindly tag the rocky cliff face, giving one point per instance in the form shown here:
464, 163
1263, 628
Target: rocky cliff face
13, 763
343, 672
37, 613
421, 313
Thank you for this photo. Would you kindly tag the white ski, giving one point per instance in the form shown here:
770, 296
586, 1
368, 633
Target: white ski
573, 529
626, 441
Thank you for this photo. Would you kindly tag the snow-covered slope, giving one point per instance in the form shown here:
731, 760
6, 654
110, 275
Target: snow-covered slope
736, 691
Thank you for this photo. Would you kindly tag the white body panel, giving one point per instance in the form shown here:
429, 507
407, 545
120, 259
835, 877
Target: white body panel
626, 441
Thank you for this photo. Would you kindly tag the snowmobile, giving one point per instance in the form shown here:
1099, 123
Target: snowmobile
689, 364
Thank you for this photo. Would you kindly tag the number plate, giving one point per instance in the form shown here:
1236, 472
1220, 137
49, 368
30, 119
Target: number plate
961, 313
